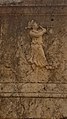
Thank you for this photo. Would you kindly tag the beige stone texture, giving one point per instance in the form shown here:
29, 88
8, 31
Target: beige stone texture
33, 59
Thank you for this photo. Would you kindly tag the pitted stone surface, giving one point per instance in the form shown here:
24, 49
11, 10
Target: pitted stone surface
27, 90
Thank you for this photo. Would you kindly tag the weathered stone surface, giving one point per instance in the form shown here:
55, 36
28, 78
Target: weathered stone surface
33, 108
27, 90
34, 2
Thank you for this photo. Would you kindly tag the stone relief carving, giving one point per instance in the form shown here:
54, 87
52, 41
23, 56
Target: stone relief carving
32, 51
34, 73
37, 57
21, 70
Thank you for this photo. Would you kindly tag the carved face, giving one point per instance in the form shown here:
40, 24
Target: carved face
35, 25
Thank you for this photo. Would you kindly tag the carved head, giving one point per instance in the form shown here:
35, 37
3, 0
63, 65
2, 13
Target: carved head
32, 24
35, 25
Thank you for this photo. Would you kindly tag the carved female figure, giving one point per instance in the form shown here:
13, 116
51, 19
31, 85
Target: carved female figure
36, 33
